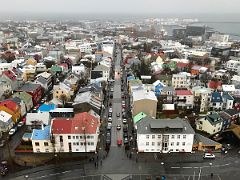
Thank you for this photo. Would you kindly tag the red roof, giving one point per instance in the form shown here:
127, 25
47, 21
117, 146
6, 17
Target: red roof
77, 125
10, 105
183, 92
10, 75
214, 84
182, 65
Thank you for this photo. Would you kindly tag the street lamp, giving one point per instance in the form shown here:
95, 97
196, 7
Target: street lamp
211, 169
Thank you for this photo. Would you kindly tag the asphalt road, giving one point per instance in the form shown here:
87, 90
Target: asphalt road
117, 107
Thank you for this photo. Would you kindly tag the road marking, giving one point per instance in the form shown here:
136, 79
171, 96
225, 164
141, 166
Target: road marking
199, 175
175, 167
194, 174
196, 167
219, 177
186, 167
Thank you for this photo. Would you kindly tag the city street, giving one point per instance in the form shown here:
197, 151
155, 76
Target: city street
117, 165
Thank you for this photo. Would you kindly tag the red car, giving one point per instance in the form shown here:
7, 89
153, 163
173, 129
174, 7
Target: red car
119, 142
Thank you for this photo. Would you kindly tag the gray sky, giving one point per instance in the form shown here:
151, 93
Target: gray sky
120, 6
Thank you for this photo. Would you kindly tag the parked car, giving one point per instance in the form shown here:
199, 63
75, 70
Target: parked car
125, 128
125, 134
118, 127
2, 143
20, 124
108, 140
3, 168
110, 110
125, 140
124, 121
109, 119
118, 114
208, 156
12, 131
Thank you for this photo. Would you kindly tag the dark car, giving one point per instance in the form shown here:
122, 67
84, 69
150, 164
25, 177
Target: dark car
3, 168
108, 140
125, 134
125, 128
125, 140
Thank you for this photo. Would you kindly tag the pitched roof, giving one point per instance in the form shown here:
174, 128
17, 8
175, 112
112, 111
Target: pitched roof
10, 105
216, 97
29, 87
183, 92
198, 138
138, 117
81, 123
4, 116
143, 94
10, 75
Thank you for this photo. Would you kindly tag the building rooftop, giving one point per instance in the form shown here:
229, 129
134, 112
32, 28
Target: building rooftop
41, 134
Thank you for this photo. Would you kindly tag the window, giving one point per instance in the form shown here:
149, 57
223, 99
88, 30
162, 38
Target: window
172, 143
158, 143
81, 143
77, 143
184, 136
183, 143
92, 137
88, 137
153, 136
159, 136
88, 144
178, 136
45, 143
36, 143
74, 143
177, 143
73, 137
153, 143
38, 150
147, 136
77, 137
46, 150
77, 149
173, 136
92, 143
147, 143
80, 137
69, 137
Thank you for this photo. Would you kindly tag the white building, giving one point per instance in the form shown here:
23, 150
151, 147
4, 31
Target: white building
181, 80
41, 140
37, 119
77, 134
104, 69
6, 122
211, 123
232, 65
79, 69
5, 67
219, 37
184, 99
203, 93
164, 135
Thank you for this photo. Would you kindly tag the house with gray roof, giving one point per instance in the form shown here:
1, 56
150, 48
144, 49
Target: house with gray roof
164, 135
211, 123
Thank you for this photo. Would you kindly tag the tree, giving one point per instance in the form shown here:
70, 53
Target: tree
63, 98
49, 64
144, 68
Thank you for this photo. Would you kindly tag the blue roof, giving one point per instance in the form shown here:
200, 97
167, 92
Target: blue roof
227, 96
47, 107
27, 135
216, 97
41, 134
130, 78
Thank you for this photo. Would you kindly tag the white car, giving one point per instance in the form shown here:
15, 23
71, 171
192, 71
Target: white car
12, 132
109, 119
20, 124
208, 156
124, 121
110, 109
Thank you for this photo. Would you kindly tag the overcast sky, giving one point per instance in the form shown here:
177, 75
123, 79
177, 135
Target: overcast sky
120, 6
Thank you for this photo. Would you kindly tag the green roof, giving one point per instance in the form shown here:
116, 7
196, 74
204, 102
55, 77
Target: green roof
138, 117
55, 68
